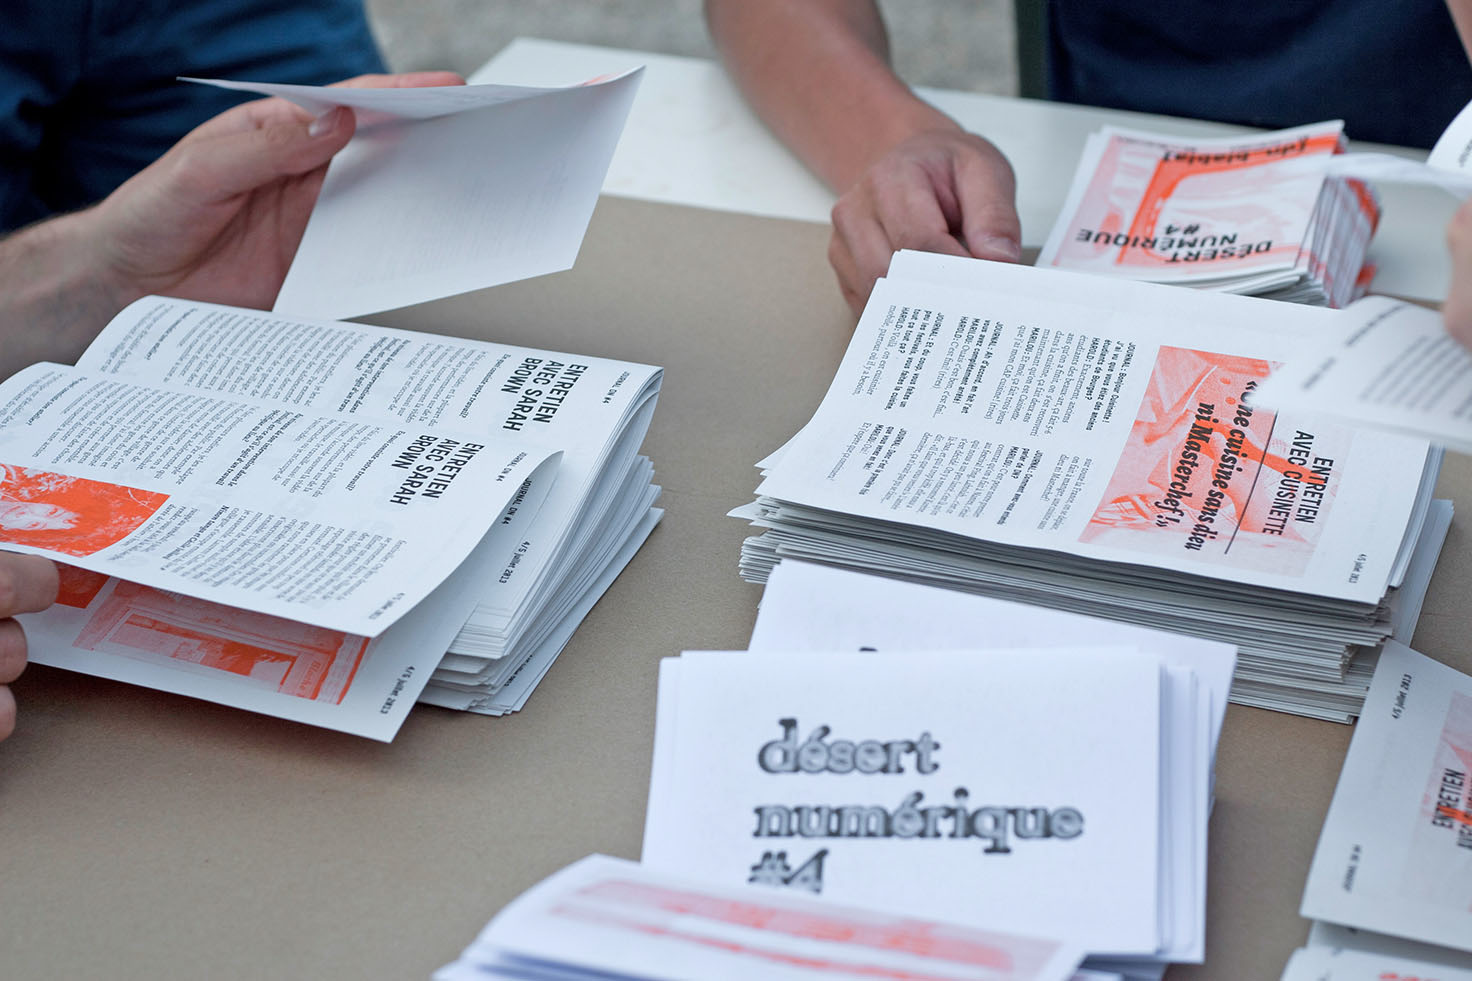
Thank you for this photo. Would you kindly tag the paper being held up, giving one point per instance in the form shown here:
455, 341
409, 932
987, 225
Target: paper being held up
446, 190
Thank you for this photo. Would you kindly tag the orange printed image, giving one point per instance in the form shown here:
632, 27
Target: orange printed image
1206, 476
69, 514
178, 631
1160, 211
1438, 863
79, 587
850, 939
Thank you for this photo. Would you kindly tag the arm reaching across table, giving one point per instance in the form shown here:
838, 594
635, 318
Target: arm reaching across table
908, 175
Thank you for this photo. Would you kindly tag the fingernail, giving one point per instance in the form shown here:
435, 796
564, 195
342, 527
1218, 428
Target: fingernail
326, 122
1002, 247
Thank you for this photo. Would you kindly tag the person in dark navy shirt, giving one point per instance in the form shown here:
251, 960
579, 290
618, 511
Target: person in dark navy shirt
817, 71
1394, 72
88, 90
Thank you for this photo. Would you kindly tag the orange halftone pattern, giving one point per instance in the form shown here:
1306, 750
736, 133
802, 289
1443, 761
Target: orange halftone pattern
71, 515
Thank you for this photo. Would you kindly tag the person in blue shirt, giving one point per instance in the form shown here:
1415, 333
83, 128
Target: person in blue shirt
88, 89
908, 176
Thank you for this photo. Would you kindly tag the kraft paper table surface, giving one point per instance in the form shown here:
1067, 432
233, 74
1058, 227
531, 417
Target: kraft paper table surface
144, 835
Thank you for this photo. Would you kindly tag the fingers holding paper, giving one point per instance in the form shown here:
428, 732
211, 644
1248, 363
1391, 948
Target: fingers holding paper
219, 216
940, 190
28, 584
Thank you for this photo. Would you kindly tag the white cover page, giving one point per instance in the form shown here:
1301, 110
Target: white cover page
1010, 790
604, 917
810, 607
1395, 855
1112, 430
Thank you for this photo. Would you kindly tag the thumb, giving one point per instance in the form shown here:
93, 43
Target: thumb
985, 192
235, 163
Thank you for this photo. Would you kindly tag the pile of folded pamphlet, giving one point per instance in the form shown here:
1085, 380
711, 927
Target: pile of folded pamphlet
1041, 780
1259, 213
1094, 445
604, 918
1391, 882
815, 809
297, 517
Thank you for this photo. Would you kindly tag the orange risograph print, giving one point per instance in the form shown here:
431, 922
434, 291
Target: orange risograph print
179, 631
71, 515
79, 587
1159, 211
852, 943
1439, 863
1206, 476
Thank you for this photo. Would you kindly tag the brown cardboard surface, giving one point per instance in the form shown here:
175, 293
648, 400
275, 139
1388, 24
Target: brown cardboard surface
144, 835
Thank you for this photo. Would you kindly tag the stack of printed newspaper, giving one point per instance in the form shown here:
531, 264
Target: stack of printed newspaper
297, 517
851, 779
1092, 445
1390, 887
1259, 214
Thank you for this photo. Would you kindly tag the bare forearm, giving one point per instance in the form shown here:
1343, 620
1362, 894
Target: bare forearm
1461, 11
817, 71
54, 297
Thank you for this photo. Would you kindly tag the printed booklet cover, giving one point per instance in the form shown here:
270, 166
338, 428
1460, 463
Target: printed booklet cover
1395, 855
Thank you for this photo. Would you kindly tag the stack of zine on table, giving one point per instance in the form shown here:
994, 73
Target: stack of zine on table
1390, 887
1257, 214
855, 779
301, 515
298, 516
1090, 444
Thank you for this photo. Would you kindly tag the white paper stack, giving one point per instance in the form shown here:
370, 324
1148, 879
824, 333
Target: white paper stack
1395, 855
1256, 214
809, 607
1008, 789
313, 444
1091, 445
605, 918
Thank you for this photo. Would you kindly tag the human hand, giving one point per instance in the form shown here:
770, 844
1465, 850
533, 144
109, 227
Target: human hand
1456, 312
940, 190
28, 584
219, 216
